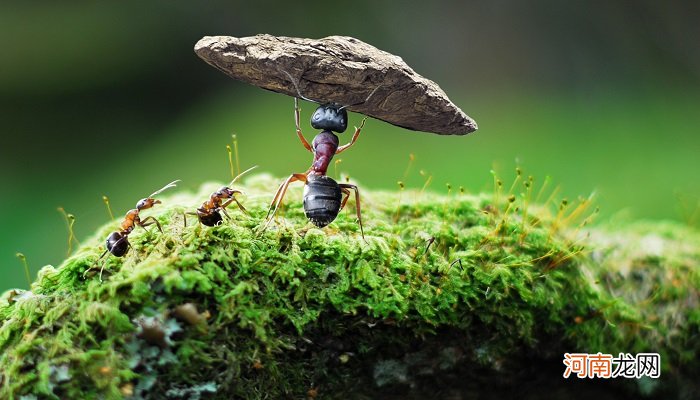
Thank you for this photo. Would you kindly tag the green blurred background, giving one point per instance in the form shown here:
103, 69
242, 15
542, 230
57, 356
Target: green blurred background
109, 98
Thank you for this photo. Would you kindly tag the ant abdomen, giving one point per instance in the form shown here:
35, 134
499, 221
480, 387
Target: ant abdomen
117, 244
209, 218
322, 197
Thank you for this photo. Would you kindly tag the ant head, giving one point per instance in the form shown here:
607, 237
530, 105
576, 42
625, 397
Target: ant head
330, 116
146, 203
224, 192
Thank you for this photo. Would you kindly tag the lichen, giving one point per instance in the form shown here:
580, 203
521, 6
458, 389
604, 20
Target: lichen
446, 295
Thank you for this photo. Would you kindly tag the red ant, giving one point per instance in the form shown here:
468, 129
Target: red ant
118, 241
323, 196
209, 213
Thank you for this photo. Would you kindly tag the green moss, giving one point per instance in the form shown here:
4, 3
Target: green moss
448, 294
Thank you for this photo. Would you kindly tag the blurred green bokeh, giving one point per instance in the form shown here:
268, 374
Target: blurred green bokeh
109, 99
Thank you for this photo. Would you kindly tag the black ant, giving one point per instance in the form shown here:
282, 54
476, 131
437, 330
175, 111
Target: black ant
118, 241
209, 213
323, 196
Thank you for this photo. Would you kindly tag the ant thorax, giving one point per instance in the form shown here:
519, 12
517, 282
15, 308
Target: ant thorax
325, 144
326, 138
130, 219
213, 202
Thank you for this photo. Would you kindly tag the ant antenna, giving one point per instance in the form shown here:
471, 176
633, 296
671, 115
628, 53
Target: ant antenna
363, 101
168, 186
296, 86
241, 174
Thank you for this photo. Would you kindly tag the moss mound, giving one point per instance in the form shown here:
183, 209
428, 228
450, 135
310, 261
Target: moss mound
449, 297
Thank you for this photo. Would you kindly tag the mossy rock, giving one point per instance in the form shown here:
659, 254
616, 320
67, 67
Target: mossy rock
458, 296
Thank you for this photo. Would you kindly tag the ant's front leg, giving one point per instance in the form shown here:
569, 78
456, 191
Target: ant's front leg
298, 124
143, 223
238, 203
354, 138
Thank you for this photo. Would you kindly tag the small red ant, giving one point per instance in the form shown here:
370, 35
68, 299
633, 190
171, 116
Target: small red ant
118, 241
209, 213
323, 196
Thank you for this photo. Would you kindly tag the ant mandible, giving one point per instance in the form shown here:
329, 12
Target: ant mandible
118, 241
323, 196
209, 213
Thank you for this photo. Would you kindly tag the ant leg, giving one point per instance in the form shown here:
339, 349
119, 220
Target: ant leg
117, 243
102, 268
184, 216
225, 212
143, 223
277, 200
346, 192
238, 203
296, 120
282, 189
347, 186
98, 260
354, 138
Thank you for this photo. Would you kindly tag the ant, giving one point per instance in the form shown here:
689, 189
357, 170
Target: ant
209, 213
323, 196
118, 241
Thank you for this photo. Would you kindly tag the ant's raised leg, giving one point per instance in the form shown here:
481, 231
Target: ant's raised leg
354, 138
344, 187
298, 124
277, 200
143, 223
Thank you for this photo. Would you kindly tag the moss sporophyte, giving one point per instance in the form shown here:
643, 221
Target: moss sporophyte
449, 295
